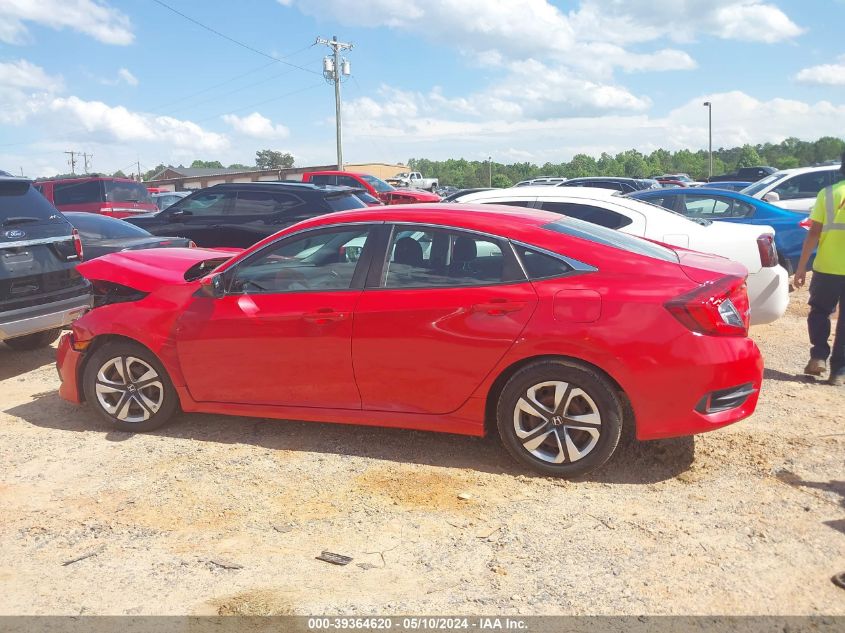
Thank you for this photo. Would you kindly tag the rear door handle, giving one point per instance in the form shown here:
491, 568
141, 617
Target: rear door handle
499, 307
324, 315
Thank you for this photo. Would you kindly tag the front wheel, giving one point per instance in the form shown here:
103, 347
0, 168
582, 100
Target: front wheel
560, 418
129, 387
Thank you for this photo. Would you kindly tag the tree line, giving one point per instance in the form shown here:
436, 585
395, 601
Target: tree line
792, 152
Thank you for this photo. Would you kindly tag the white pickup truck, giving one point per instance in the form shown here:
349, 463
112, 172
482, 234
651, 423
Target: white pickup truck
414, 180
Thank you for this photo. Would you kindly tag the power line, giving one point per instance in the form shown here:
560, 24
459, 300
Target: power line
248, 107
233, 40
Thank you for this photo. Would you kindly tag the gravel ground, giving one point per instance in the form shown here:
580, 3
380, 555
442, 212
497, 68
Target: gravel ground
226, 515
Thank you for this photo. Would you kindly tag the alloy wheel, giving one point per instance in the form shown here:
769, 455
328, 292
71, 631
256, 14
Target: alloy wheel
557, 422
129, 389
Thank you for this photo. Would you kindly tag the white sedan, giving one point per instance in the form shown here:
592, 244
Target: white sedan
752, 246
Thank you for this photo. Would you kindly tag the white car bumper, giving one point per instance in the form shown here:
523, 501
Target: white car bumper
768, 291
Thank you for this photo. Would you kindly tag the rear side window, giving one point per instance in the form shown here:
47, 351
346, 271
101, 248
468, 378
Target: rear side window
81, 192
540, 265
20, 203
609, 237
214, 203
263, 203
803, 186
511, 203
589, 213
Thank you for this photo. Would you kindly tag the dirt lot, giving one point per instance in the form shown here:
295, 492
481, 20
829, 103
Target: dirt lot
226, 515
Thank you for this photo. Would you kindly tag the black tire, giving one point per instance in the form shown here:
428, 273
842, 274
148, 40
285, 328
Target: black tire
33, 341
147, 404
580, 455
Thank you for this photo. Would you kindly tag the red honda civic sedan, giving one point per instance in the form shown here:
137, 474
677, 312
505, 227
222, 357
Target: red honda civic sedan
553, 332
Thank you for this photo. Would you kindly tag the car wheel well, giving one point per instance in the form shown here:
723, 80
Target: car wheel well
96, 343
490, 426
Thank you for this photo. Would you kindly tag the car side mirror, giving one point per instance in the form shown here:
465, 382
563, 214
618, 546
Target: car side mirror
771, 197
213, 286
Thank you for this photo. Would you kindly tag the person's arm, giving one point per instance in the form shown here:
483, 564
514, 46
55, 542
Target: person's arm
810, 244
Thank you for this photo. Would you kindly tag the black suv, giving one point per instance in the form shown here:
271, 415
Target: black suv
625, 185
745, 174
40, 289
239, 215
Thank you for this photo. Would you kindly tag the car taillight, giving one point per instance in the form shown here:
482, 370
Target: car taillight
192, 244
717, 308
77, 243
806, 223
768, 251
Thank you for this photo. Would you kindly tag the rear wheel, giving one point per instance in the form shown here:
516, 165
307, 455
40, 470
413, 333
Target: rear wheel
34, 341
129, 387
560, 418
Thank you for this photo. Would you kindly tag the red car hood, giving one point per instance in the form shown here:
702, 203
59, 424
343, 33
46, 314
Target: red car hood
147, 270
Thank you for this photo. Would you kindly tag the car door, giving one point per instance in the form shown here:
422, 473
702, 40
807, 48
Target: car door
438, 313
281, 334
197, 217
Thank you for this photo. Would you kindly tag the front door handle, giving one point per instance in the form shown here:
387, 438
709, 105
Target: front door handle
324, 315
499, 307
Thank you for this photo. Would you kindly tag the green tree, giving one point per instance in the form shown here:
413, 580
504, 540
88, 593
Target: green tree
149, 175
240, 166
501, 181
748, 157
271, 159
118, 174
206, 164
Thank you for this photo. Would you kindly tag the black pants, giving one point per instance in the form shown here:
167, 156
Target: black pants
826, 291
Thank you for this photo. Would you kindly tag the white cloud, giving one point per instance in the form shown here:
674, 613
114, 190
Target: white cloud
24, 89
257, 126
92, 17
824, 74
100, 122
127, 76
635, 21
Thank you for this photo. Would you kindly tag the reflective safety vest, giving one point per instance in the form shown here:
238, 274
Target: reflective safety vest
830, 213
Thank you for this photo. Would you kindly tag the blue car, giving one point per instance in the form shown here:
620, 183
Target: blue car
730, 206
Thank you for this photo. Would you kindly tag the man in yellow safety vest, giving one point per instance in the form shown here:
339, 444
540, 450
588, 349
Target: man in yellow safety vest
827, 288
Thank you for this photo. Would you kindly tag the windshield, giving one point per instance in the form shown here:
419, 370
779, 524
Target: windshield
93, 226
126, 191
377, 183
758, 186
344, 202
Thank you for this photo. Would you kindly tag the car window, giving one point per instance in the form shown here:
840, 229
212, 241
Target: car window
203, 204
714, 207
323, 179
540, 265
803, 185
758, 186
323, 260
377, 183
344, 202
81, 192
436, 258
608, 237
263, 203
21, 204
347, 181
588, 213
122, 191
511, 203
94, 226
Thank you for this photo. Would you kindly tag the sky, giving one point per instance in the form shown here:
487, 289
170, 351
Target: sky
169, 81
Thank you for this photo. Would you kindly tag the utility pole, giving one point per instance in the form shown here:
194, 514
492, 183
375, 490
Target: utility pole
333, 71
709, 107
72, 161
490, 170
138, 164
85, 158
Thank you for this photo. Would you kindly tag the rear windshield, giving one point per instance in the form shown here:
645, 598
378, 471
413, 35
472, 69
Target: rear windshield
343, 202
20, 203
123, 191
94, 226
609, 237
